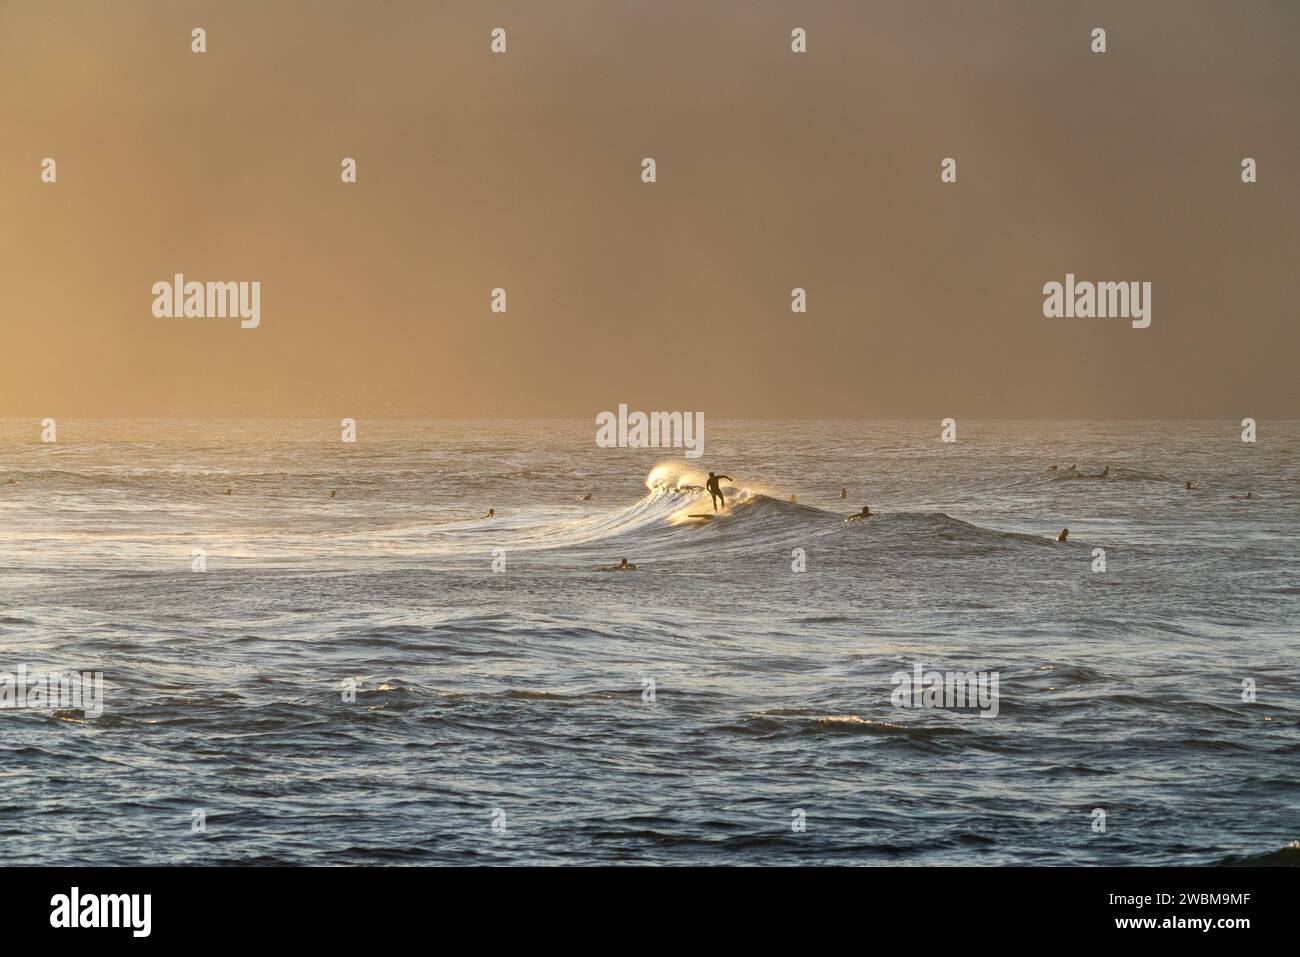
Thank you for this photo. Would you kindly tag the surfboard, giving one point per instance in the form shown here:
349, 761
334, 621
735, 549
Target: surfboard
700, 515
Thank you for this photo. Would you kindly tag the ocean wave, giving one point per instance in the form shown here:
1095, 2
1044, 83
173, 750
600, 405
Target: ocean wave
1114, 474
1286, 856
676, 514
783, 723
673, 520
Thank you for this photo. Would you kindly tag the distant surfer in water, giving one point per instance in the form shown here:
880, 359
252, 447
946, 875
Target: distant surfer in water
792, 502
1192, 486
865, 513
714, 490
333, 492
1065, 533
623, 566
844, 493
585, 498
490, 513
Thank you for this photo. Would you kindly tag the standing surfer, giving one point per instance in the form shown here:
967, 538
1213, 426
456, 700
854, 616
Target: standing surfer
715, 492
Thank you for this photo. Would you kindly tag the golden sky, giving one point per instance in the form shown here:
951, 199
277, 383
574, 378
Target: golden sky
775, 171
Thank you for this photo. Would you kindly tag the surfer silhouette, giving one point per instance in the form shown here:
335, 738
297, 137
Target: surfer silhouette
1065, 534
865, 513
715, 492
490, 512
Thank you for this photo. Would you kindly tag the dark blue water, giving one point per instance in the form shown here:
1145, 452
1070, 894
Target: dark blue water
504, 716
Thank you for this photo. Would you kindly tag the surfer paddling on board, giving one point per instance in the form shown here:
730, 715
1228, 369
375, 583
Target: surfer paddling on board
715, 492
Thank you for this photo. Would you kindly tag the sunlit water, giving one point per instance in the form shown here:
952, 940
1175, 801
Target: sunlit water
518, 696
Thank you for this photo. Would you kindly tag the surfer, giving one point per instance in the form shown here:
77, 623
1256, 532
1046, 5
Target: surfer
1065, 533
585, 498
715, 491
226, 492
333, 492
623, 566
844, 493
792, 501
1192, 486
865, 513
1104, 472
490, 512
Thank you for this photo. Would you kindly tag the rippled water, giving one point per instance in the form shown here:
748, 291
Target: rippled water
518, 696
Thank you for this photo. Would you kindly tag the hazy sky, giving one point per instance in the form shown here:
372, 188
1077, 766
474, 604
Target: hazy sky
775, 170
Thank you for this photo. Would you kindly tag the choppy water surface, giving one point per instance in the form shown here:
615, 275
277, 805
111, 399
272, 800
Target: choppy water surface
522, 691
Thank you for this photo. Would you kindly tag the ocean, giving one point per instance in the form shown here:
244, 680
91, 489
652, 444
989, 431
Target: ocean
383, 676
